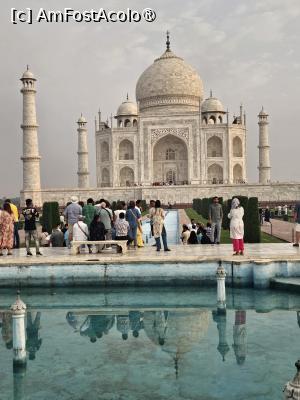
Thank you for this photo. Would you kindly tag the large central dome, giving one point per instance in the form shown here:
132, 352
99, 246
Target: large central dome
169, 81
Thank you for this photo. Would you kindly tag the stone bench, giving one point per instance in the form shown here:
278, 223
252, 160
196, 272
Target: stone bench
121, 244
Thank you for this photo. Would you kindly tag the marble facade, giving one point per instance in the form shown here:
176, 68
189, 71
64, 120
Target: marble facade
171, 144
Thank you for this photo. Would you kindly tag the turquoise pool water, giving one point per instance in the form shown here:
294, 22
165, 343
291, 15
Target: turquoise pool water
152, 344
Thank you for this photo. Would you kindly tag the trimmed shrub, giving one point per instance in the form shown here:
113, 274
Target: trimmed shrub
226, 209
50, 217
251, 220
205, 207
197, 205
144, 205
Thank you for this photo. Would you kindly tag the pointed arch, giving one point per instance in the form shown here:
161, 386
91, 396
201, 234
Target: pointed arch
105, 177
237, 173
126, 150
170, 154
237, 147
104, 151
126, 176
214, 147
215, 174
212, 120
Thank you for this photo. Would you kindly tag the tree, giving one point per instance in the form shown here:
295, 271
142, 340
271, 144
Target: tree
144, 205
252, 224
50, 216
197, 205
226, 209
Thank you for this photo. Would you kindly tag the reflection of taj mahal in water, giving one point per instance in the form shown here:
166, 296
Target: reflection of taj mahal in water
171, 136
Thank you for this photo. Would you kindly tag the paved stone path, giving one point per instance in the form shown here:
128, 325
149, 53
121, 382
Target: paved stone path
281, 229
183, 218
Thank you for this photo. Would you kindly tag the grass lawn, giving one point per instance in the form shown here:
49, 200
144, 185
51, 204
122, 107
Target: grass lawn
265, 238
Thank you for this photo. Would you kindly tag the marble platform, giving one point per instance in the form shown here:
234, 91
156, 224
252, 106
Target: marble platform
148, 254
193, 265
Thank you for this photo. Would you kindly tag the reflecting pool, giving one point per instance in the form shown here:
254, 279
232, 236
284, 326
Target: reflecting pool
155, 344
171, 225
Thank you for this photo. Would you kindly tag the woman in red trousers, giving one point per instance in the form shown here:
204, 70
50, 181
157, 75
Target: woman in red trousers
237, 227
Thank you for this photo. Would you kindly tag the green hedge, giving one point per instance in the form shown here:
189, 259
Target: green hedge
253, 232
50, 217
197, 205
226, 209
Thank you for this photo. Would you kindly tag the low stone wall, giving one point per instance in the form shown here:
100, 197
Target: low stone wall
239, 274
283, 192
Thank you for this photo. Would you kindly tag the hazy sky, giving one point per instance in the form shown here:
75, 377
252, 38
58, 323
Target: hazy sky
244, 50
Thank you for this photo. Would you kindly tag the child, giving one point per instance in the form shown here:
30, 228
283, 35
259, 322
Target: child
185, 234
208, 231
121, 227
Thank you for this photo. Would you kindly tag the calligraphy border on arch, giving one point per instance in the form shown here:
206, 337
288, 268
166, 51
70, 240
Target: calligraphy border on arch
182, 133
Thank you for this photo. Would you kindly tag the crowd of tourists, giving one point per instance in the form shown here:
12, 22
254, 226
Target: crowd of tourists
95, 221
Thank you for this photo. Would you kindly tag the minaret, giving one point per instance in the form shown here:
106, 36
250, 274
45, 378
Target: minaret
220, 319
83, 155
264, 166
18, 310
31, 157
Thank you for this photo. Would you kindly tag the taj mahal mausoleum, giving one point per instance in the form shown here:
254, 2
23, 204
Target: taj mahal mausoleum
173, 143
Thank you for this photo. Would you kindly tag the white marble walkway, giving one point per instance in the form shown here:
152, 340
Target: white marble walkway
148, 254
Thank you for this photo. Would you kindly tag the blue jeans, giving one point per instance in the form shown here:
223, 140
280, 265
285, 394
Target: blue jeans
164, 240
16, 235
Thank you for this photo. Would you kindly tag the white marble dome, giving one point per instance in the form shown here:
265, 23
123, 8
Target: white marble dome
212, 104
81, 120
169, 81
127, 108
28, 75
263, 113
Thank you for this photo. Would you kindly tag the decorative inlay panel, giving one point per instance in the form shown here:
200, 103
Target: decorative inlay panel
156, 134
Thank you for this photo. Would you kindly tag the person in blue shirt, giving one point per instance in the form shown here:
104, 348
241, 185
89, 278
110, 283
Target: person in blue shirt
132, 216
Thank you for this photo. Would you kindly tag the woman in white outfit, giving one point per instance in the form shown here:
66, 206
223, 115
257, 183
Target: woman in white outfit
237, 227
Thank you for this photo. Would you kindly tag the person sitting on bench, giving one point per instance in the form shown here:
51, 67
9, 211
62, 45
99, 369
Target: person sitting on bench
97, 231
80, 231
121, 227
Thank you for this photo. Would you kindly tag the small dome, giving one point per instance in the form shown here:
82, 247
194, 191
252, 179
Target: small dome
81, 120
212, 104
263, 113
28, 75
127, 108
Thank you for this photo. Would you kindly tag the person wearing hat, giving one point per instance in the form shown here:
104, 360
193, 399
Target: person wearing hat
71, 213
